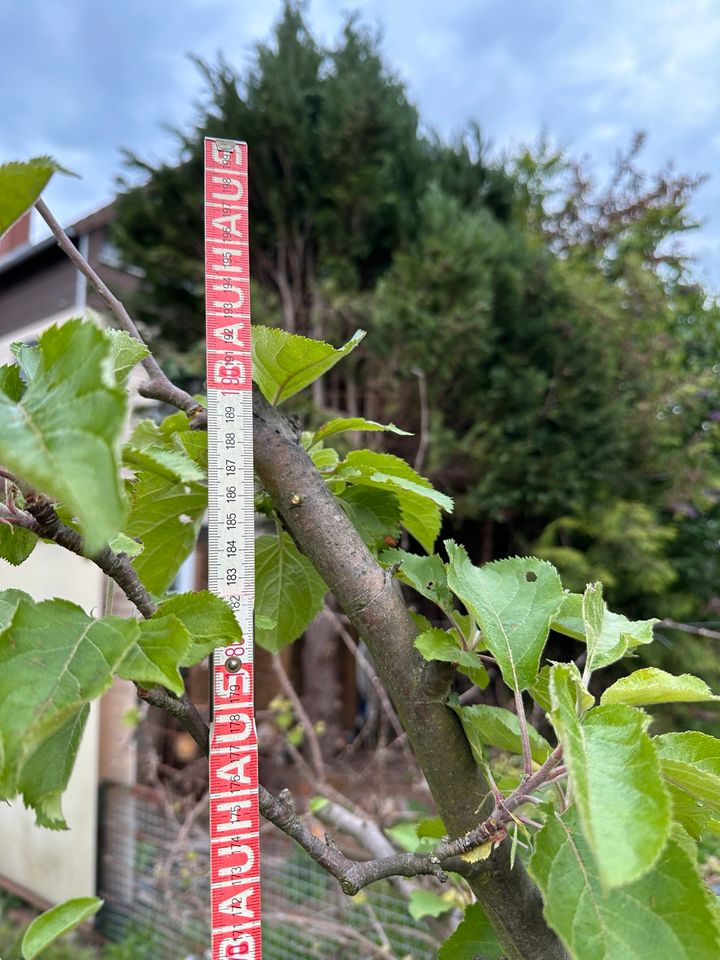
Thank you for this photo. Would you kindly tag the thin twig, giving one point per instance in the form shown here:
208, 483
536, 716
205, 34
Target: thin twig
377, 926
108, 598
159, 387
688, 628
15, 517
303, 718
424, 440
322, 787
367, 669
365, 831
183, 709
353, 875
345, 936
117, 566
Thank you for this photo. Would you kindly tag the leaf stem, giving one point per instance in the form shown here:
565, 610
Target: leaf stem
301, 714
688, 628
524, 733
452, 617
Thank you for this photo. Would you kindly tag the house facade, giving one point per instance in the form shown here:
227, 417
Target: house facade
38, 287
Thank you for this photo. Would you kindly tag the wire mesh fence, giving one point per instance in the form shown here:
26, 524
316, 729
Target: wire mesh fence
153, 875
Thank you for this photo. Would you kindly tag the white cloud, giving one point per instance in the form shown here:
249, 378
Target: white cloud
589, 74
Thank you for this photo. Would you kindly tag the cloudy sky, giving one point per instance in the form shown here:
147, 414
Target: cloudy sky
81, 80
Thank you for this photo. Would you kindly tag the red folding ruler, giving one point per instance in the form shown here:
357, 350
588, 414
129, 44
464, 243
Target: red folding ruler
234, 816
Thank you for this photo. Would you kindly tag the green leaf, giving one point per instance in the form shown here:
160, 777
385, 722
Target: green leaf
167, 500
593, 613
284, 363
513, 602
420, 621
375, 514
342, 424
173, 465
692, 814
11, 383
622, 802
207, 618
475, 672
437, 644
473, 938
431, 827
650, 685
405, 836
666, 915
126, 545
325, 459
288, 591
419, 502
316, 804
165, 516
125, 353
55, 922
680, 836
499, 728
425, 903
177, 433
691, 762
53, 660
427, 575
28, 358
45, 776
184, 629
618, 634
151, 449
16, 543
159, 647
21, 183
540, 691
9, 599
62, 437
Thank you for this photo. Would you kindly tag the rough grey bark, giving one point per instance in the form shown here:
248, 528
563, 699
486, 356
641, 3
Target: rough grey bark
418, 689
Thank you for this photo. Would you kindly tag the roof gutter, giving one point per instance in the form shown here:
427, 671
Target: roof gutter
22, 254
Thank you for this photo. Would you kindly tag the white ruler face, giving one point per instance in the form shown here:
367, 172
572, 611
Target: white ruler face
234, 816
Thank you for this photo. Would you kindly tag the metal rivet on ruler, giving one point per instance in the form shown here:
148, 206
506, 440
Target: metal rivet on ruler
233, 664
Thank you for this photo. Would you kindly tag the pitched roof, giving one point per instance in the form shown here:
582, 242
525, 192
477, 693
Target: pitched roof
98, 218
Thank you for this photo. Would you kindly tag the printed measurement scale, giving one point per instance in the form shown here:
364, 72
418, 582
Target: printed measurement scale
234, 814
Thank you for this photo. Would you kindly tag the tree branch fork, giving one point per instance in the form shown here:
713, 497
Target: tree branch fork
448, 856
